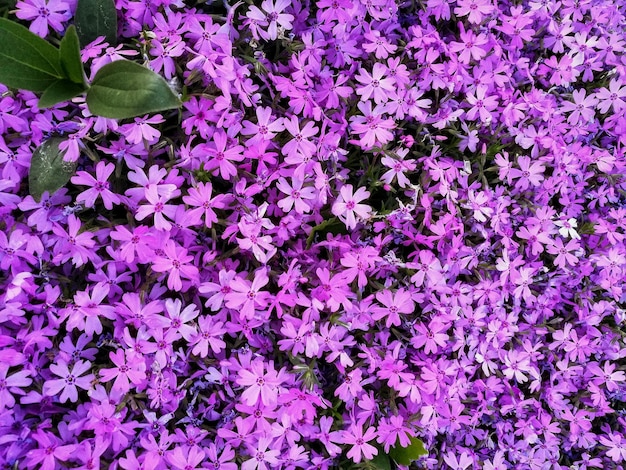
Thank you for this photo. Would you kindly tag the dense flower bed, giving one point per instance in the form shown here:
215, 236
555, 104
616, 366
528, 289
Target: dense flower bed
371, 220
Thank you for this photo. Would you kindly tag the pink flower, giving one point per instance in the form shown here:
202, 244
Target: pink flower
99, 186
300, 145
583, 106
263, 130
262, 458
48, 452
141, 131
373, 128
360, 442
272, 17
12, 385
472, 46
69, 382
375, 84
157, 206
223, 154
176, 262
476, 9
392, 431
564, 253
201, 199
210, 334
296, 195
245, 296
259, 384
529, 173
613, 97
394, 303
189, 459
430, 337
482, 105
617, 447
130, 368
72, 245
43, 14
347, 206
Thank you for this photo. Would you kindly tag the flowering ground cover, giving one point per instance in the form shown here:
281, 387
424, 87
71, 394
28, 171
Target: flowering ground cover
368, 225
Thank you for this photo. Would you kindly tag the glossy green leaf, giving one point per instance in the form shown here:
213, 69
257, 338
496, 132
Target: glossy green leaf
69, 54
48, 171
27, 61
124, 89
406, 455
59, 91
95, 18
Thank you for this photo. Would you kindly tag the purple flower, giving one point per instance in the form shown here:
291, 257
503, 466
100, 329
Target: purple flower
44, 14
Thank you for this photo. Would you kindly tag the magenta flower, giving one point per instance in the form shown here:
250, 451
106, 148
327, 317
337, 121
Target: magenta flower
564, 253
99, 186
246, 296
72, 245
260, 384
264, 129
49, 451
475, 9
431, 337
300, 144
141, 130
69, 381
359, 440
262, 458
297, 195
209, 335
176, 262
223, 155
472, 46
394, 303
347, 206
190, 459
134, 244
201, 199
129, 368
157, 206
12, 385
529, 173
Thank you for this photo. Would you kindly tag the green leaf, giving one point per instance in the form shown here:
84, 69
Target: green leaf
48, 171
27, 61
124, 89
95, 18
406, 455
381, 461
59, 91
69, 54
332, 225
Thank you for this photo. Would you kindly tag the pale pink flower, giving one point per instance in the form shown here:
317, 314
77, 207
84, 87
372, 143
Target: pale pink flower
347, 206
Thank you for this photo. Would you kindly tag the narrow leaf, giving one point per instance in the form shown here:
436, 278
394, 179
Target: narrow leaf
59, 91
332, 225
48, 171
26, 61
406, 455
69, 53
124, 89
95, 18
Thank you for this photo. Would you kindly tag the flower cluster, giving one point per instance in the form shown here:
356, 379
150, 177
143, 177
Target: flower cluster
371, 221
